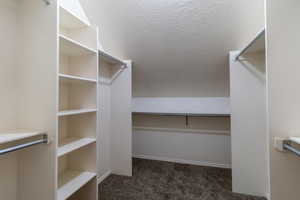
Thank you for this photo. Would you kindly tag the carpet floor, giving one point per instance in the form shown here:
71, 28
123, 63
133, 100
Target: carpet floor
156, 180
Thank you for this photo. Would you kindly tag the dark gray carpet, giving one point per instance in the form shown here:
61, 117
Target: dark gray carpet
156, 180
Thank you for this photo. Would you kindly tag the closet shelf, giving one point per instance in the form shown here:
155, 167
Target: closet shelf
75, 112
182, 106
257, 45
69, 20
75, 79
71, 144
181, 130
295, 140
109, 58
71, 47
18, 135
71, 181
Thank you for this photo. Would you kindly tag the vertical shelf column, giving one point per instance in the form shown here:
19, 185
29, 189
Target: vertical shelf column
78, 108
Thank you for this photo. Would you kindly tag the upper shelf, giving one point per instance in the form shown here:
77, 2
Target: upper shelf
73, 48
257, 45
109, 58
182, 106
18, 135
69, 20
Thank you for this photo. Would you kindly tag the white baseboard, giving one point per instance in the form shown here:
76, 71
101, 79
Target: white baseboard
182, 161
103, 177
268, 196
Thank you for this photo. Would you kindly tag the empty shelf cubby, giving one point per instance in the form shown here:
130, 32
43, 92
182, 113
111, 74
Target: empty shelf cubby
77, 96
75, 170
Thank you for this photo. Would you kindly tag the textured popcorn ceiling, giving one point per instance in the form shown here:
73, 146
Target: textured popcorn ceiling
179, 47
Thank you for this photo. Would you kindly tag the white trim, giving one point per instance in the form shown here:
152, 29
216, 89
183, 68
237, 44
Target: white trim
200, 131
103, 177
182, 161
268, 196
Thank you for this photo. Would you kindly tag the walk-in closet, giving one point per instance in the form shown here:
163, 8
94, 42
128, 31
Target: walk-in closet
149, 100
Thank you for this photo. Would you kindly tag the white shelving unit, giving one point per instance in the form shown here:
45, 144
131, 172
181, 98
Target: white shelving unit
77, 116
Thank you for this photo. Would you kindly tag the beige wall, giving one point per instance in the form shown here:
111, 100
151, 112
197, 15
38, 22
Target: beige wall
283, 47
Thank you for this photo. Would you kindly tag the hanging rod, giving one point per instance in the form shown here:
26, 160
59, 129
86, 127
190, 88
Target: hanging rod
44, 140
250, 44
288, 147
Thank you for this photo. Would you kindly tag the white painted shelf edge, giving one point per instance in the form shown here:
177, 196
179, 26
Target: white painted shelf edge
71, 181
71, 144
75, 112
295, 140
110, 58
219, 106
217, 132
18, 134
76, 44
75, 78
257, 44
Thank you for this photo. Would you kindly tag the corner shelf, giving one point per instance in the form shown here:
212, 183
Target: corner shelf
73, 48
71, 181
75, 79
71, 144
75, 112
70, 21
257, 45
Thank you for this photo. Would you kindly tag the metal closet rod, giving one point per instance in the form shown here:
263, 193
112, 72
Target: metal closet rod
44, 140
287, 146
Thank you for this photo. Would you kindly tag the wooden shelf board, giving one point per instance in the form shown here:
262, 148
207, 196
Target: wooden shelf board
18, 134
182, 106
71, 181
71, 144
75, 79
76, 112
73, 48
109, 58
70, 21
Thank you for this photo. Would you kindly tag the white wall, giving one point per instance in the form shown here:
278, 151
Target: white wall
250, 171
283, 47
8, 164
